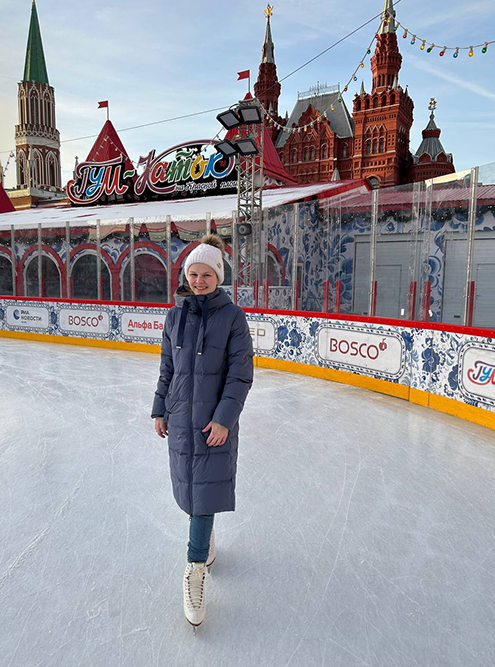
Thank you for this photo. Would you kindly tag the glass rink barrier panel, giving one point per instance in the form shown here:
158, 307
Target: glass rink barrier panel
54, 252
145, 276
28, 260
185, 236
351, 270
87, 279
114, 260
480, 278
445, 248
7, 261
281, 291
310, 271
396, 251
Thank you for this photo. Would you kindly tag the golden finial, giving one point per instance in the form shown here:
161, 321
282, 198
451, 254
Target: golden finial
433, 104
268, 11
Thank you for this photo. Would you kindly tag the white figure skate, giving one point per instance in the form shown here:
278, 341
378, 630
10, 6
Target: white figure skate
212, 554
194, 597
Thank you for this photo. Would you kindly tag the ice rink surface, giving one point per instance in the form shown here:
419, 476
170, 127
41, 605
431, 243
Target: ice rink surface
364, 532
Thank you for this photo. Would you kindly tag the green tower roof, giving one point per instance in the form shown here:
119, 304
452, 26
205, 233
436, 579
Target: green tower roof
35, 67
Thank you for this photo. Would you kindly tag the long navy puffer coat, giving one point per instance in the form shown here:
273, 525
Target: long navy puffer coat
206, 373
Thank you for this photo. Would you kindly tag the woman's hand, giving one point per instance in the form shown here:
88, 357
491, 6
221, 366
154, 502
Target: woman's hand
161, 427
218, 435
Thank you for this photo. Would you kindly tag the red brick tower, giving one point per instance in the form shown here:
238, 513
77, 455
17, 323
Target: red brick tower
267, 87
39, 177
383, 118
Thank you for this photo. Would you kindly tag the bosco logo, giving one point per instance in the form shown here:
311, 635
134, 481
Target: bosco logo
355, 349
91, 322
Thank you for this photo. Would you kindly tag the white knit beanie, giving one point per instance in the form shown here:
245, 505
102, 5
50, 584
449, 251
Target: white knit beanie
208, 254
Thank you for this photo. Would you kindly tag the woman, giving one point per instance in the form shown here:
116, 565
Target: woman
206, 373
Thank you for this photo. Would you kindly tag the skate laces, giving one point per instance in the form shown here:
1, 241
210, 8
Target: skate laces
195, 586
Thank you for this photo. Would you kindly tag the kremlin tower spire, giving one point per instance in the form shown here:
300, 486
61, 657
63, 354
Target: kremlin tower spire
383, 118
37, 138
387, 60
267, 87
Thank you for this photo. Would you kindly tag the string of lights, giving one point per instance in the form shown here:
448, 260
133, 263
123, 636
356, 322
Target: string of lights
322, 115
427, 46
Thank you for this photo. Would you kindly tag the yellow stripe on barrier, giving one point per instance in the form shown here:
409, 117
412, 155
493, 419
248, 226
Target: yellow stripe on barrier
416, 396
89, 342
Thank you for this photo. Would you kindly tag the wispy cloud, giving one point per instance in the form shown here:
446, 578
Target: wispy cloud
477, 89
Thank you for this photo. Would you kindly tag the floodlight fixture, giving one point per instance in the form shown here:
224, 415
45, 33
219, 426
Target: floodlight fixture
229, 119
250, 115
226, 148
246, 147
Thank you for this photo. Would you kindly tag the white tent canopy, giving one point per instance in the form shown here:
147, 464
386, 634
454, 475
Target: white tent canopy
220, 207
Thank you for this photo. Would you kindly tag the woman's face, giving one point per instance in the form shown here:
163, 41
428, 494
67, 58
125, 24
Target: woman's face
202, 278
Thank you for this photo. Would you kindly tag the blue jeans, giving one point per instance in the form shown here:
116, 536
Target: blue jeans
199, 537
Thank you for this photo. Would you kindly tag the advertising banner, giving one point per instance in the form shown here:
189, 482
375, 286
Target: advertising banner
477, 371
143, 325
360, 348
30, 317
79, 320
263, 334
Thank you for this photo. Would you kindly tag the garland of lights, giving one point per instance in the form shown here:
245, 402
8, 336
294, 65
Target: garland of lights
324, 114
429, 46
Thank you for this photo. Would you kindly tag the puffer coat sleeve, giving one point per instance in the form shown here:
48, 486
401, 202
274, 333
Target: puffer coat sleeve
239, 375
166, 371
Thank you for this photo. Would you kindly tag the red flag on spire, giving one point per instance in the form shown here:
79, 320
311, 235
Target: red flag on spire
243, 75
103, 105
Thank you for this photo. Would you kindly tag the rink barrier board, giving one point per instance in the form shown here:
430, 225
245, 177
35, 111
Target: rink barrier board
440, 403
305, 327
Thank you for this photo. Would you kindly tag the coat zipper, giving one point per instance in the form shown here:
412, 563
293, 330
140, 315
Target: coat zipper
193, 366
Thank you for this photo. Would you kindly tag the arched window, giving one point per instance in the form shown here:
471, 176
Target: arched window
282, 159
368, 147
384, 101
22, 108
34, 108
392, 98
51, 170
84, 278
151, 279
324, 152
294, 156
306, 154
358, 105
367, 103
21, 164
274, 271
382, 145
312, 154
6, 288
47, 111
38, 171
374, 145
375, 102
344, 150
50, 278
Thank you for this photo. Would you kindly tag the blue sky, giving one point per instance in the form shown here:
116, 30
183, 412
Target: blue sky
155, 60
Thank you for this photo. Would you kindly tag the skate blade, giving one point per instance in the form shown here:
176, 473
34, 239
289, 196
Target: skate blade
194, 626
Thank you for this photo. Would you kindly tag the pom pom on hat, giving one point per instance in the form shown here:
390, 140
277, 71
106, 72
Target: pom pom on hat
209, 252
